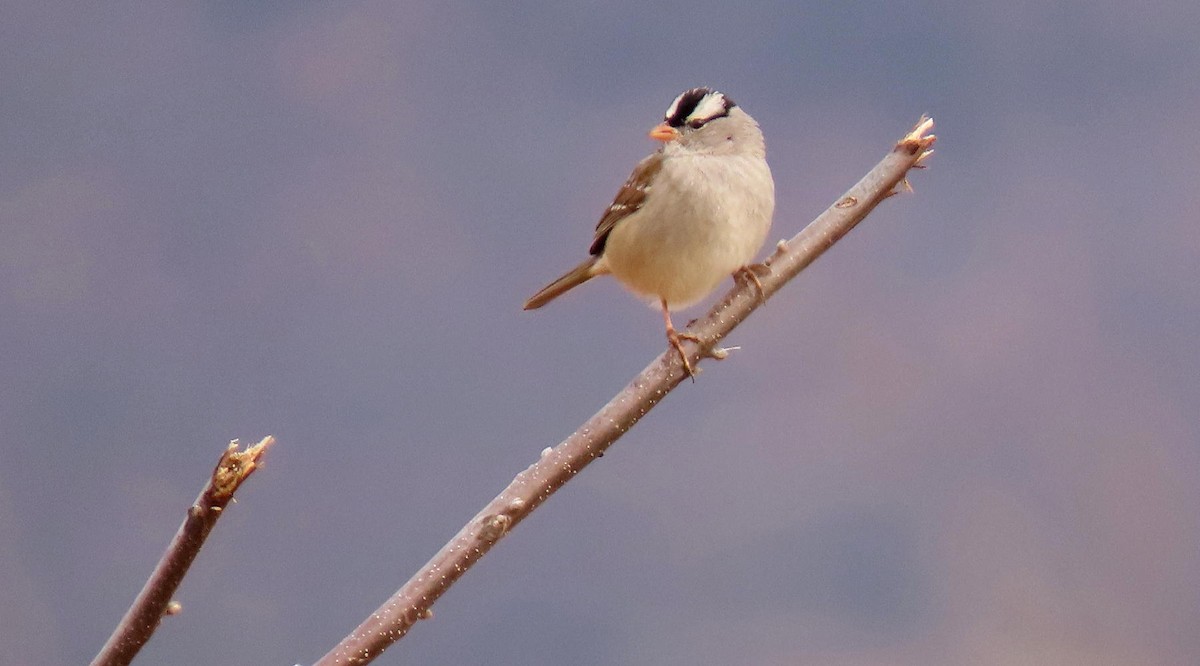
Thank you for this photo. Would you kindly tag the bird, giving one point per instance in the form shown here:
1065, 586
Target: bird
693, 212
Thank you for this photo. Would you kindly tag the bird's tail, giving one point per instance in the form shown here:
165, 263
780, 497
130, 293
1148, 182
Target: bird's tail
574, 277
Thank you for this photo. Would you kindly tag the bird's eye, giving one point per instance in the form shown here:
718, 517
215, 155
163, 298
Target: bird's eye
696, 124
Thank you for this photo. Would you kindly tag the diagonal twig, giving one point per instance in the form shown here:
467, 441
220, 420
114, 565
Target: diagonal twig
154, 601
412, 602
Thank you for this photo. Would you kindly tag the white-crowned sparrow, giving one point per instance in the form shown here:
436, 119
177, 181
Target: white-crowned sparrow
692, 213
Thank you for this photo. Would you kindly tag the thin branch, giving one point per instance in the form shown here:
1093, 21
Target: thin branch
391, 621
154, 601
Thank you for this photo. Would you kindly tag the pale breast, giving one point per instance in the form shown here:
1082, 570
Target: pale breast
705, 217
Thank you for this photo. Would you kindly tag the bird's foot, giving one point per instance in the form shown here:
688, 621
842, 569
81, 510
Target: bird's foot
676, 339
750, 274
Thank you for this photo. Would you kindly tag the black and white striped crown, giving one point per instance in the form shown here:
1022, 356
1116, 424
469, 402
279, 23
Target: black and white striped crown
696, 107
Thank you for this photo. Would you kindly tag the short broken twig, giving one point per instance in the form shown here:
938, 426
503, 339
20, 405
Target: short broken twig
154, 601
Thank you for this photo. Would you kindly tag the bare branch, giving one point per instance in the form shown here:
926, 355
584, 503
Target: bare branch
391, 621
154, 601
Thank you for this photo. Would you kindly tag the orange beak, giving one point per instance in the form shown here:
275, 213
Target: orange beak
664, 132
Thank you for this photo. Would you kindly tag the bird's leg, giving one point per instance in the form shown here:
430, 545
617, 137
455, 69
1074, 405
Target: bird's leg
749, 274
675, 338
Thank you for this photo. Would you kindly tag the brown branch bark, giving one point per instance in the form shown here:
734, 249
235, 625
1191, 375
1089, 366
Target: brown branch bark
154, 601
412, 602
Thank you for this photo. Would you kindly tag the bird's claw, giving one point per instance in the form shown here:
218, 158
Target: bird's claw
676, 339
750, 274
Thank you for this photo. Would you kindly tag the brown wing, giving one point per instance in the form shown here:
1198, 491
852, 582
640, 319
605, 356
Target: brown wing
628, 200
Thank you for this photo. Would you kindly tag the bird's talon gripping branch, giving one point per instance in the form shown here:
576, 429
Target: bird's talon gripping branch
750, 273
676, 339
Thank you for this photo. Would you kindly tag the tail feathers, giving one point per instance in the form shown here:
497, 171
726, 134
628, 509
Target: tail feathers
575, 277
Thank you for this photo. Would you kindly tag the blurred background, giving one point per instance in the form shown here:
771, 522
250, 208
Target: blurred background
967, 434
